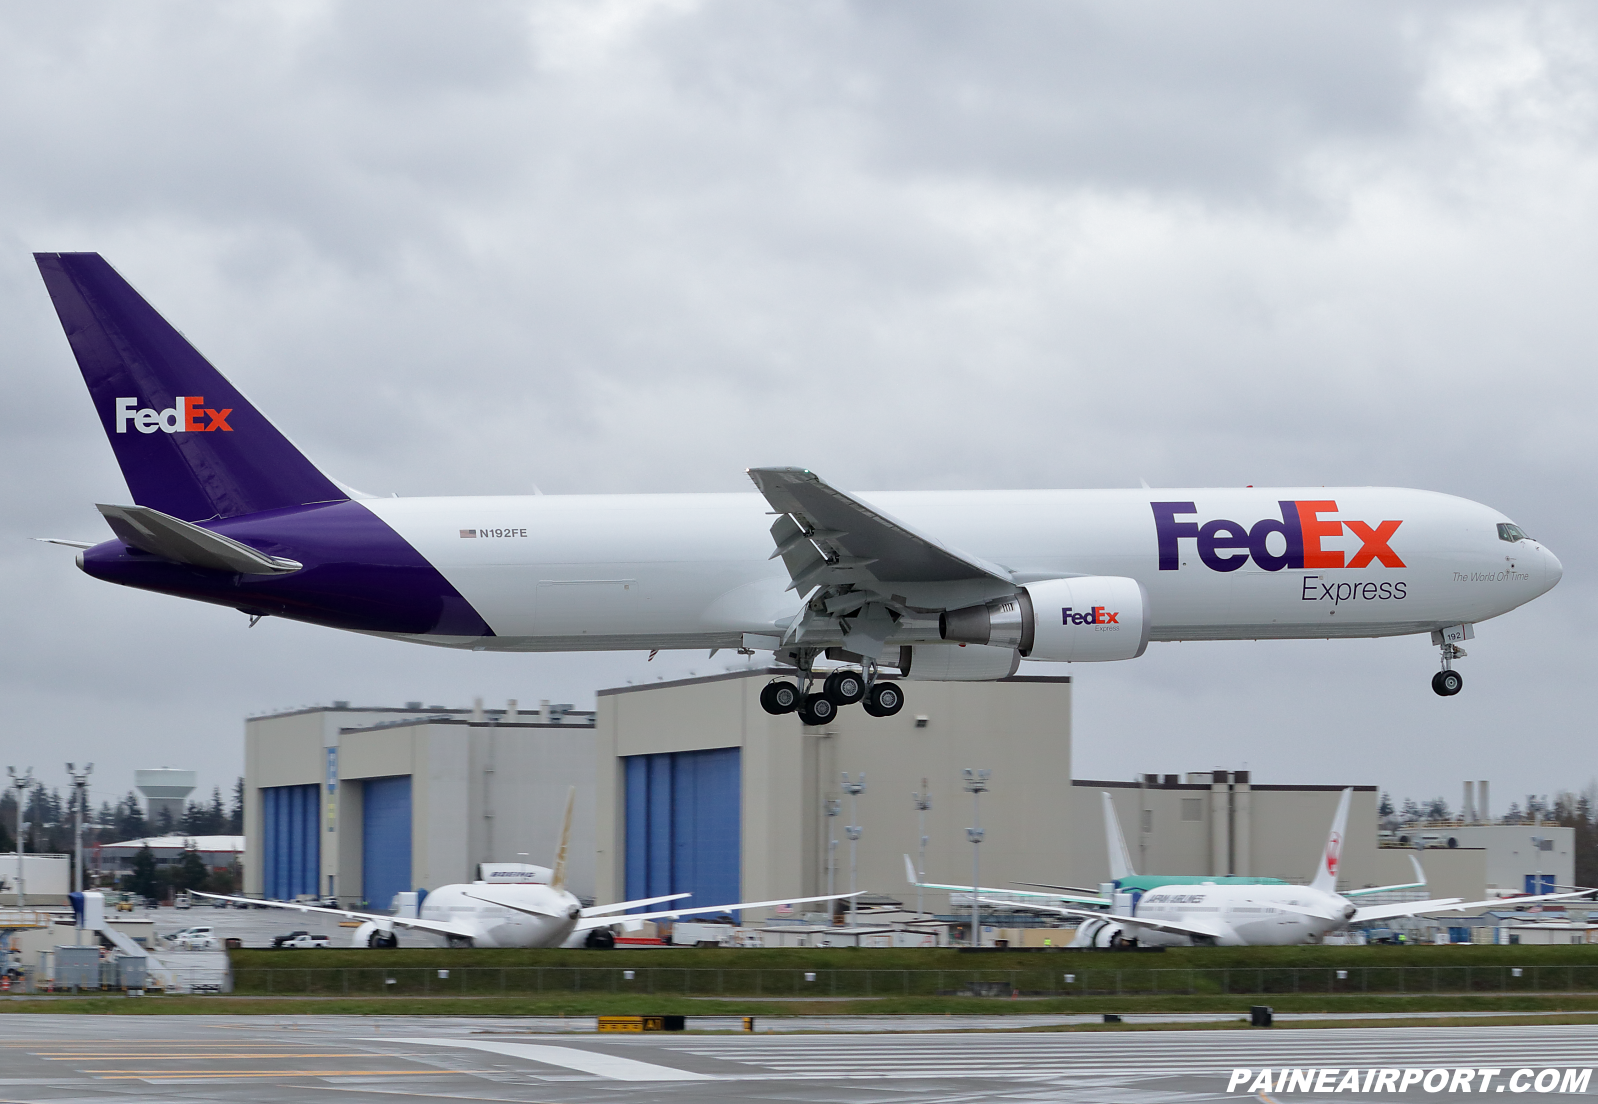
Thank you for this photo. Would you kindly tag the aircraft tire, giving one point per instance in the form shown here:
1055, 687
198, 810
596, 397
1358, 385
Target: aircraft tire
844, 687
383, 940
1447, 683
600, 939
884, 700
818, 709
779, 697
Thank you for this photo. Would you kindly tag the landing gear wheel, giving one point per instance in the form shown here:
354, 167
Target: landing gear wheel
844, 687
817, 709
884, 699
1447, 683
779, 698
600, 939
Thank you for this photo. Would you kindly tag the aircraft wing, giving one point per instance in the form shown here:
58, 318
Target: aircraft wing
830, 536
1187, 927
622, 906
1083, 899
1454, 904
1418, 883
606, 921
437, 927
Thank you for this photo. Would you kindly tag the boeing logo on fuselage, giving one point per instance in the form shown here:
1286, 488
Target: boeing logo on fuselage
188, 414
1227, 545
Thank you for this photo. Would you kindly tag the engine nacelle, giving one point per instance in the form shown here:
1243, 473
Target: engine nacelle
957, 662
1088, 619
370, 935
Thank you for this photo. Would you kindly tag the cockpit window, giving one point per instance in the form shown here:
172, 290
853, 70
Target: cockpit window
1511, 533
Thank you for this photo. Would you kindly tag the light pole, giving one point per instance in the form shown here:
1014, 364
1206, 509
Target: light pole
976, 783
923, 802
834, 807
21, 782
854, 790
80, 799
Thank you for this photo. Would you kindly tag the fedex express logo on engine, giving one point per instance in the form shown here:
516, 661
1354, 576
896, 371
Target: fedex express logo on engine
1228, 545
1096, 615
188, 415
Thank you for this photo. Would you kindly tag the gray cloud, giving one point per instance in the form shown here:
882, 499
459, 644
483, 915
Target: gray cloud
638, 247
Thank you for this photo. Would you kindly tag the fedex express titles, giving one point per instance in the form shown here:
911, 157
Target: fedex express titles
1224, 545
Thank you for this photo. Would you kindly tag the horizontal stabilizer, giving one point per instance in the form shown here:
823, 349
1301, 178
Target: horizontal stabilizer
184, 542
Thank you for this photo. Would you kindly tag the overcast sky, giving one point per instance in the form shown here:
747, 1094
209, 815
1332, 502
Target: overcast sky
469, 248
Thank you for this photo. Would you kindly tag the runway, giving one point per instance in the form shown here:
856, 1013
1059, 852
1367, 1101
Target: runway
70, 1059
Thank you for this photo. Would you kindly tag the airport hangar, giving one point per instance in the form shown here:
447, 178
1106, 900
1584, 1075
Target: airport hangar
689, 786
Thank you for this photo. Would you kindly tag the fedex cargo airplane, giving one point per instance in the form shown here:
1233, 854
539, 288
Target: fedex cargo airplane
936, 585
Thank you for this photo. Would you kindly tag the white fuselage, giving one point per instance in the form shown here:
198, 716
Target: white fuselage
497, 926
1244, 915
580, 572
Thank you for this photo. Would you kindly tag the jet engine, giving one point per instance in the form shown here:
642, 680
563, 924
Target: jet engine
957, 662
370, 935
1086, 619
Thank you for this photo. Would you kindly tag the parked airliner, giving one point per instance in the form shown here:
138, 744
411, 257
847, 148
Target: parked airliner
1124, 884
523, 914
1218, 913
939, 585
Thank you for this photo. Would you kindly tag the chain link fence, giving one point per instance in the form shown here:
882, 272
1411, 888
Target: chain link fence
475, 981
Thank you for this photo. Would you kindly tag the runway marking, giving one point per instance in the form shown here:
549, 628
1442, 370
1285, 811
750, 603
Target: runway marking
186, 1075
587, 1061
64, 1057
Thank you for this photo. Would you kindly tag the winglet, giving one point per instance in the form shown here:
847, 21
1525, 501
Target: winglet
910, 871
1331, 859
557, 878
1420, 875
1120, 858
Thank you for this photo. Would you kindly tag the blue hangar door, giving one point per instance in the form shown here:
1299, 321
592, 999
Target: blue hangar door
684, 825
291, 841
385, 840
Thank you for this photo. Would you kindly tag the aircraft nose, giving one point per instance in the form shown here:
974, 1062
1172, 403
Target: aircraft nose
1553, 570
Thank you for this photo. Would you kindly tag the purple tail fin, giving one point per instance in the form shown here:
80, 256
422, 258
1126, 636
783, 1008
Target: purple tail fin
189, 444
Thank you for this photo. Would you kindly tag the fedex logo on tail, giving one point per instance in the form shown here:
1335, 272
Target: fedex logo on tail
189, 415
1228, 545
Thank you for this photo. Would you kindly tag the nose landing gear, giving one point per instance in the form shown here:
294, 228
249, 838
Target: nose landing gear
1448, 682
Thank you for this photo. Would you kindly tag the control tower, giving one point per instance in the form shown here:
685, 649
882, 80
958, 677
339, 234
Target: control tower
164, 788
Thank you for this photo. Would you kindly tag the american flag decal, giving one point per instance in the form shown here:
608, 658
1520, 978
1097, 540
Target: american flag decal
468, 532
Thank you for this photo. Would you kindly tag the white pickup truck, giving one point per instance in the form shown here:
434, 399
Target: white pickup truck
304, 940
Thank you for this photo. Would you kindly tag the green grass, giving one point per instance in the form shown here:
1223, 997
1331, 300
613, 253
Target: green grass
799, 958
803, 974
605, 1004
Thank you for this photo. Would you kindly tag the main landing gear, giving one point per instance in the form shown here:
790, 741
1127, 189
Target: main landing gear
844, 686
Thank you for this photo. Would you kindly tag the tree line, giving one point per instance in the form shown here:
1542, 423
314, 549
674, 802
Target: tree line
48, 816
1567, 809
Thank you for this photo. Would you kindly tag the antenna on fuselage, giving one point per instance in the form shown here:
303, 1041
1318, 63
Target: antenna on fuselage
557, 877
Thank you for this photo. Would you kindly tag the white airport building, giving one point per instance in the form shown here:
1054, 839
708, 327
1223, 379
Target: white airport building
690, 787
